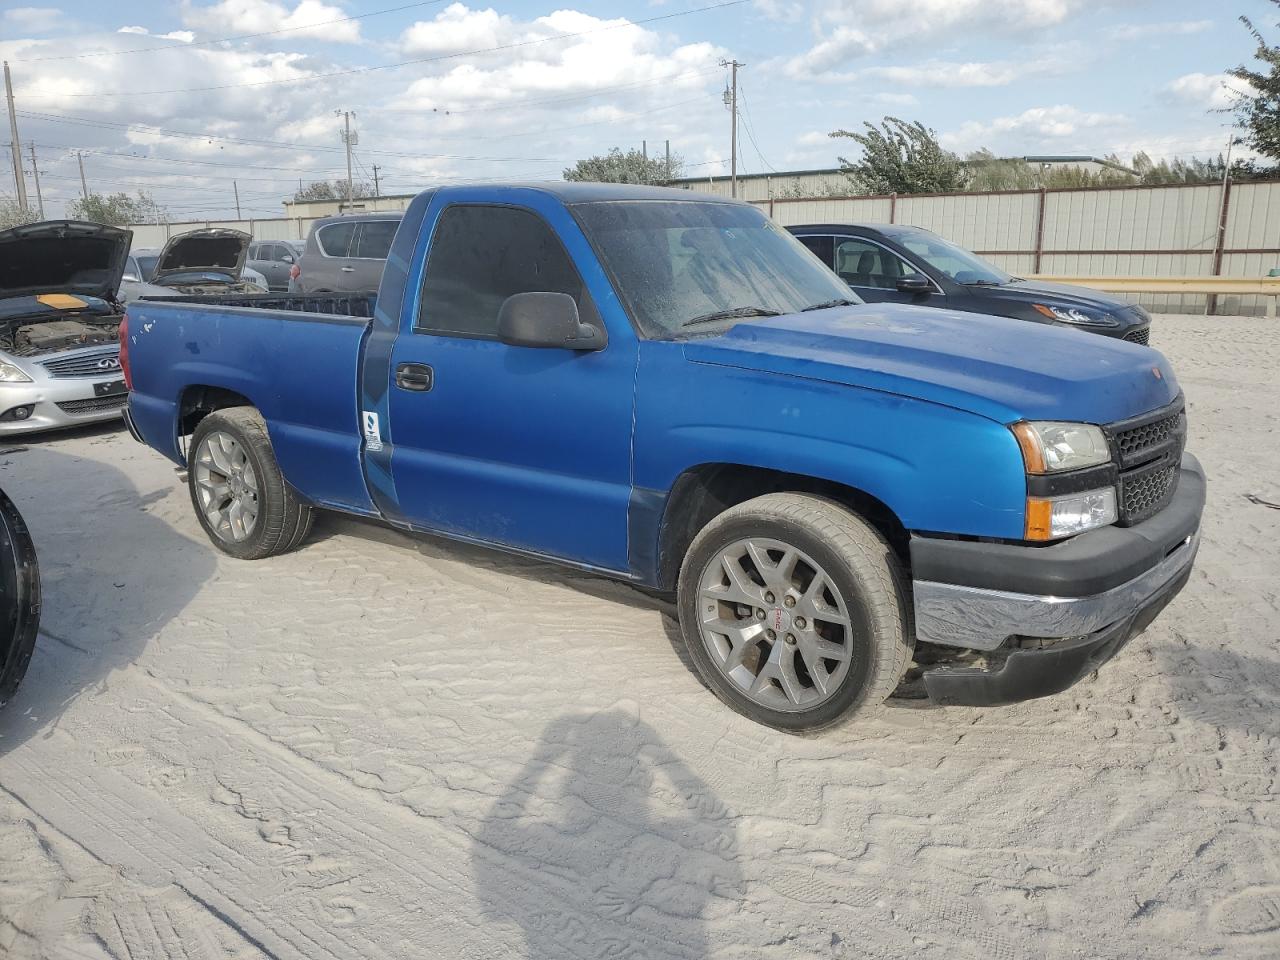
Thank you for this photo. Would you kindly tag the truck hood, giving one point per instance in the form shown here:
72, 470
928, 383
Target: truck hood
1006, 370
216, 250
63, 257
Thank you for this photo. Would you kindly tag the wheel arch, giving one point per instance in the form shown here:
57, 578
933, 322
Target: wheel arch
199, 400
704, 491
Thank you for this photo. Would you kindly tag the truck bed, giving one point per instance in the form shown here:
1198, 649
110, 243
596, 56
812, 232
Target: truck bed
358, 305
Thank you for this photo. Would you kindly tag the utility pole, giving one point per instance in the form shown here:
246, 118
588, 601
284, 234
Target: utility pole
731, 101
667, 171
350, 140
377, 191
84, 187
35, 172
236, 187
18, 179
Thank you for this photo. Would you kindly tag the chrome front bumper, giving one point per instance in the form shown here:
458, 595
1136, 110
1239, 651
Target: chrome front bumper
979, 619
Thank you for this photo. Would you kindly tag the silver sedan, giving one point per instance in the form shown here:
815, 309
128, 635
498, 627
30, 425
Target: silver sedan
65, 389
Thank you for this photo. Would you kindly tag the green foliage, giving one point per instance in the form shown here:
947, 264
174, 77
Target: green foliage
332, 190
118, 209
12, 215
1257, 108
901, 157
630, 167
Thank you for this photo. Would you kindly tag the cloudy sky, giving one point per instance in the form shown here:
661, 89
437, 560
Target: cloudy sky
187, 99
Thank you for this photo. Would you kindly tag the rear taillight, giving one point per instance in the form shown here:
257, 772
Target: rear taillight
124, 353
295, 272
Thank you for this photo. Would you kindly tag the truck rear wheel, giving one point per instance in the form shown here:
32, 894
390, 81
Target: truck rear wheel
794, 611
239, 494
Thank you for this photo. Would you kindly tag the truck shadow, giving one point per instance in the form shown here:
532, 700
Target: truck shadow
112, 576
607, 844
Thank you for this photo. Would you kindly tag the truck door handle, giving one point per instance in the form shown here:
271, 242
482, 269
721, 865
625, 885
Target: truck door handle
348, 269
415, 376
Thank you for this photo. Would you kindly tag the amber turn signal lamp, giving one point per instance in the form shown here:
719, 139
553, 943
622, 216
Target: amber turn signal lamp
1039, 519
1029, 442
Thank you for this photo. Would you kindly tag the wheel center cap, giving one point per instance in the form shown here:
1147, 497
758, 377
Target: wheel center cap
778, 619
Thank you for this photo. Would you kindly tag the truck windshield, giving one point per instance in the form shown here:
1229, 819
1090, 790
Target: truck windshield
716, 264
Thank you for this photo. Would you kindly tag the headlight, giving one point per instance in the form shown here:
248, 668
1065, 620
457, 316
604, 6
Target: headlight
1077, 316
1052, 518
1049, 446
11, 374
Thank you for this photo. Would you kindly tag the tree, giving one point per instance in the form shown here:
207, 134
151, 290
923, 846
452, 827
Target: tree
118, 209
630, 167
901, 157
1257, 106
332, 190
12, 215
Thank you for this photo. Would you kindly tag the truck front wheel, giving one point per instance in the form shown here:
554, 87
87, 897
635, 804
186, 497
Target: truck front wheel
239, 494
794, 611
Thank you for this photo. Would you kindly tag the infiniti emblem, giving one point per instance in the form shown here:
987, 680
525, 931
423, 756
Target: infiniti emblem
109, 363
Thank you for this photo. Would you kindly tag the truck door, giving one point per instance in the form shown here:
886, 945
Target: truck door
522, 446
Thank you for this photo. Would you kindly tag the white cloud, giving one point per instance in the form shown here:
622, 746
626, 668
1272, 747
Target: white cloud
458, 28
1057, 127
34, 18
185, 36
1212, 91
261, 16
846, 30
1143, 31
941, 73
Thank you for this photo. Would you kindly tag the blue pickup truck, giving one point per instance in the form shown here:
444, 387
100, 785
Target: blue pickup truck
666, 388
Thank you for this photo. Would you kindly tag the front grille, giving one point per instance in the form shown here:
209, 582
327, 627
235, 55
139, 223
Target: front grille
1145, 492
94, 404
1142, 336
1150, 453
85, 364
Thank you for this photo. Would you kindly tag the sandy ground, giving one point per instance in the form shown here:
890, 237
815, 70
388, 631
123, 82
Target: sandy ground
383, 747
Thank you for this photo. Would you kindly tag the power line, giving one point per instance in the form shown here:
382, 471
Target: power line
746, 123
353, 71
180, 45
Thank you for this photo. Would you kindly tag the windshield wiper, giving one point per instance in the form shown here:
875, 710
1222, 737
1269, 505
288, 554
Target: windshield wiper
827, 304
984, 283
732, 314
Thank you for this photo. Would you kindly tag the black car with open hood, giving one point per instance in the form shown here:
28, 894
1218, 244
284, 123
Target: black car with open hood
204, 261
63, 256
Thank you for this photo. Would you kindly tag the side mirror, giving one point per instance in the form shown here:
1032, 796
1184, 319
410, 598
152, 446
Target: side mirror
287, 258
914, 284
545, 320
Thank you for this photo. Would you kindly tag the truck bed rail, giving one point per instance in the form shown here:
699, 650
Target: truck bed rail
334, 304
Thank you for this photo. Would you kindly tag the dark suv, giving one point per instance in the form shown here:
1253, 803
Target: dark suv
887, 262
346, 254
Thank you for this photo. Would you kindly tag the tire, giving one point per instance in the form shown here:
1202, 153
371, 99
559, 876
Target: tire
282, 520
856, 598
19, 598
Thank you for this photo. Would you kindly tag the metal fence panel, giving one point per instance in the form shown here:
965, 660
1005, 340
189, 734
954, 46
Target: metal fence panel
979, 221
1180, 218
860, 210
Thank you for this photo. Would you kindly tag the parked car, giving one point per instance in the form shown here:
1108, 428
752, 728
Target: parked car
19, 598
202, 261
273, 260
346, 254
665, 387
132, 286
59, 317
901, 264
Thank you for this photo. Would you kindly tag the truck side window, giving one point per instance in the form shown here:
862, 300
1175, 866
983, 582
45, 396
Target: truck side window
480, 255
335, 239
